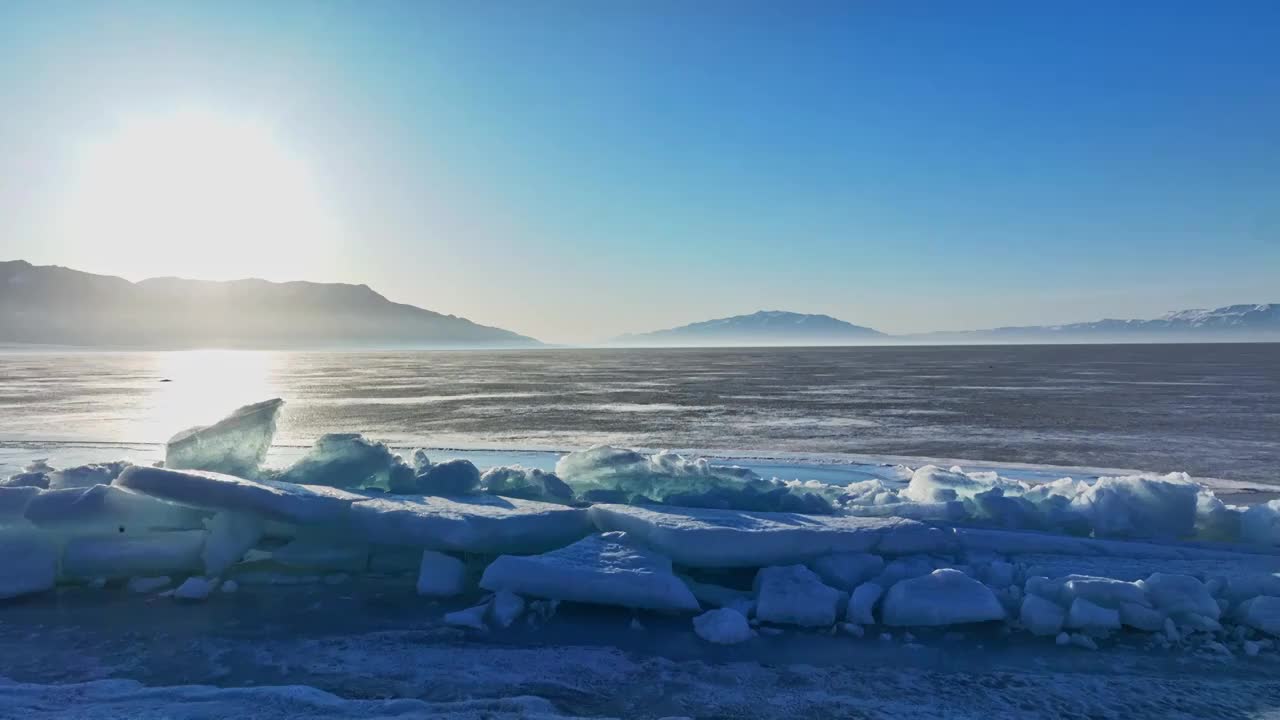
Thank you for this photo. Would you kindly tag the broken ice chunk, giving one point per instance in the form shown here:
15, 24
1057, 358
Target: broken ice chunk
230, 536
349, 460
603, 569
943, 597
1040, 616
30, 563
474, 523
87, 475
846, 571
168, 553
235, 445
440, 575
452, 477
525, 483
104, 509
282, 501
793, 595
723, 627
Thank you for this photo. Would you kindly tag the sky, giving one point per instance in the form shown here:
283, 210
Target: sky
577, 170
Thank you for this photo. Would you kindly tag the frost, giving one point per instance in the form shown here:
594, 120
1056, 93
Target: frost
235, 445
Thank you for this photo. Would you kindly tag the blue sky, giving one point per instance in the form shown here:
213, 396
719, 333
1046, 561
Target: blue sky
575, 170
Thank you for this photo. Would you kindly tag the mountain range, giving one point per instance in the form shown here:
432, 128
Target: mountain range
1231, 323
767, 327
56, 306
51, 305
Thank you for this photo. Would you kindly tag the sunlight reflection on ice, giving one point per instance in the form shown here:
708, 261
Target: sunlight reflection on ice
203, 385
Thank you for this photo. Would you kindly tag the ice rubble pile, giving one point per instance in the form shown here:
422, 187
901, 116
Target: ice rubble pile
680, 536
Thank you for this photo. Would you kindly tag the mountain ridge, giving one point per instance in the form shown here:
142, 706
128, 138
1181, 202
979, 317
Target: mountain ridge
55, 305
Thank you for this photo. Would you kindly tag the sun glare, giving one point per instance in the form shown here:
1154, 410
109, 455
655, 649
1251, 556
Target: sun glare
197, 194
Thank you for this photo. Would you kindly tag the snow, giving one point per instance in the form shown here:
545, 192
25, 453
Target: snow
230, 536
943, 597
473, 523
452, 477
195, 588
349, 460
932, 484
605, 569
698, 537
30, 563
106, 509
846, 571
1040, 616
506, 608
1084, 615
862, 603
1137, 506
723, 627
235, 445
526, 483
280, 501
167, 553
441, 575
794, 595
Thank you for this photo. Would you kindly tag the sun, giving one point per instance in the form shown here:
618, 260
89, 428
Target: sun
196, 194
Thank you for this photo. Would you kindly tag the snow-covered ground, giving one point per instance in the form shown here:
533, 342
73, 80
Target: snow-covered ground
220, 574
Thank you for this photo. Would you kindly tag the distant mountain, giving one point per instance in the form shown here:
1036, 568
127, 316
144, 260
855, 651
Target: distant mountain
51, 305
1233, 322
767, 327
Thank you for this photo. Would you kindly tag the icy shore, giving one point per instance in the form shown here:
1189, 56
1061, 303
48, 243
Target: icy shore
738, 557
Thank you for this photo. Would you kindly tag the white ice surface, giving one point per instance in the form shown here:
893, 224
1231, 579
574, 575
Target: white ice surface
107, 509
607, 569
473, 523
280, 501
697, 537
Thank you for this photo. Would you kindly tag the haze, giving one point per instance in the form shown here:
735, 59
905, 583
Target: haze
576, 170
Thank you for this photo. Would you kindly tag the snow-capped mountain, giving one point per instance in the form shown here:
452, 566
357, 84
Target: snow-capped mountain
766, 327
1233, 322
51, 305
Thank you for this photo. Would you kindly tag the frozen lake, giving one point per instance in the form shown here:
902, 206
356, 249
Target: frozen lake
1210, 410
